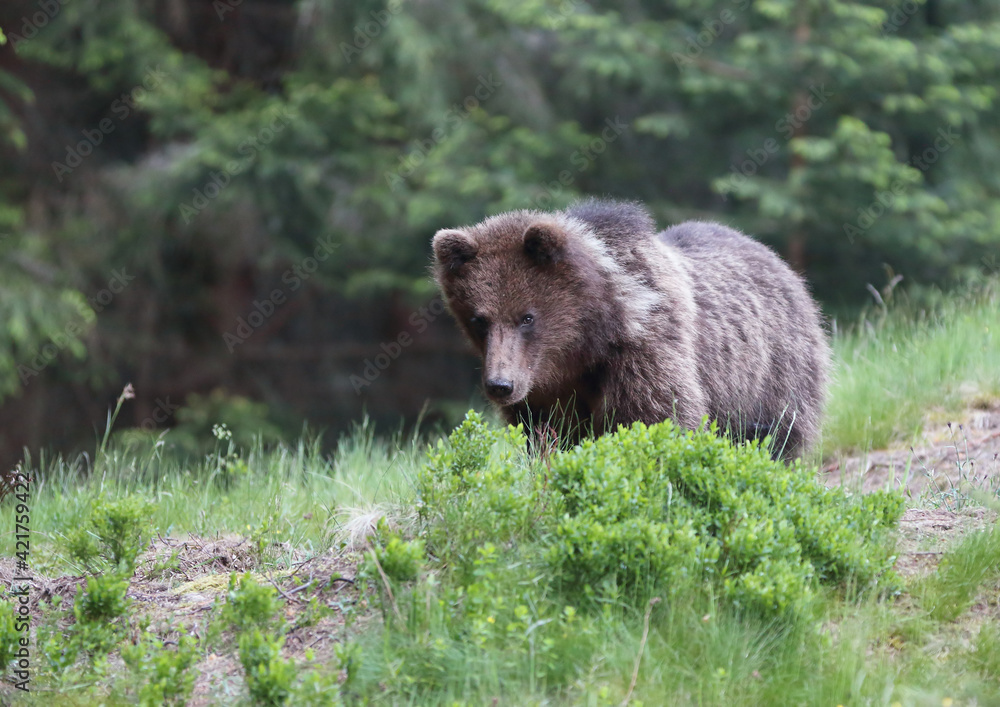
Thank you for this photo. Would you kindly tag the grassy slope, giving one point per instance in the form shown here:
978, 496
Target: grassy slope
891, 369
889, 373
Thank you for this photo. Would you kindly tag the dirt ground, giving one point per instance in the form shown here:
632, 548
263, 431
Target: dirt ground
180, 582
956, 454
179, 586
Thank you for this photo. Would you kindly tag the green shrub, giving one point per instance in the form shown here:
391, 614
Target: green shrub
473, 490
59, 652
116, 532
9, 635
97, 609
164, 675
249, 605
269, 677
400, 560
650, 508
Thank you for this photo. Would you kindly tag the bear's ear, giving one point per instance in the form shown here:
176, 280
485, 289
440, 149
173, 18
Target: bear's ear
544, 243
453, 249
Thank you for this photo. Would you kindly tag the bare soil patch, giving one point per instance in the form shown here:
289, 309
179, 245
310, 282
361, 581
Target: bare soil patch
179, 583
955, 454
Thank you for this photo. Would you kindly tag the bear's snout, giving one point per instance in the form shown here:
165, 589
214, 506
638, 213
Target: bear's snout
499, 388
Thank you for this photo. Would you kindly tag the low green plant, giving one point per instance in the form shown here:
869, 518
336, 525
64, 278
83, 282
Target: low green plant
650, 509
9, 635
269, 677
115, 532
985, 655
314, 611
252, 610
317, 688
399, 559
59, 652
100, 610
476, 488
249, 604
163, 674
528, 563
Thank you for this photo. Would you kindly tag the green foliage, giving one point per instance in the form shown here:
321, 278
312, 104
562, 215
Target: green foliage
43, 325
102, 601
466, 497
58, 652
269, 677
401, 560
163, 674
9, 635
116, 532
654, 507
528, 560
317, 689
100, 612
947, 593
986, 651
249, 605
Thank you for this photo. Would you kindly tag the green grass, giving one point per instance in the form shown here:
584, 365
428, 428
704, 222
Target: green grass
297, 495
949, 592
892, 367
919, 647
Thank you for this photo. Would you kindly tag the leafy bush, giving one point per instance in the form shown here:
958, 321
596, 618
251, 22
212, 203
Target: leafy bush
400, 560
97, 610
474, 491
649, 508
525, 562
164, 675
249, 605
269, 677
116, 532
9, 635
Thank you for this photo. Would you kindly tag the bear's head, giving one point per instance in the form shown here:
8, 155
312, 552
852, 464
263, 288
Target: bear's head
527, 294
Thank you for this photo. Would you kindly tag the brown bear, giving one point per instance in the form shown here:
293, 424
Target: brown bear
589, 313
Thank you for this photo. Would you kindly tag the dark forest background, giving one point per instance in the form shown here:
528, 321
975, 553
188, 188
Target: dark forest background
229, 203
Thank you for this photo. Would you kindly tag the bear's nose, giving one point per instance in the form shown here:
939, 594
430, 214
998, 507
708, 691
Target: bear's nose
499, 388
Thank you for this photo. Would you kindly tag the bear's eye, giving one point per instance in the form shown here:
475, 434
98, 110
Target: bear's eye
479, 325
527, 320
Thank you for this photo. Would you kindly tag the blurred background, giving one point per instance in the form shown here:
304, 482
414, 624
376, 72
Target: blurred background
229, 203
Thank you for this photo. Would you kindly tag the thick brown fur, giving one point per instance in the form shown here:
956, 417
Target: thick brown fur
590, 312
